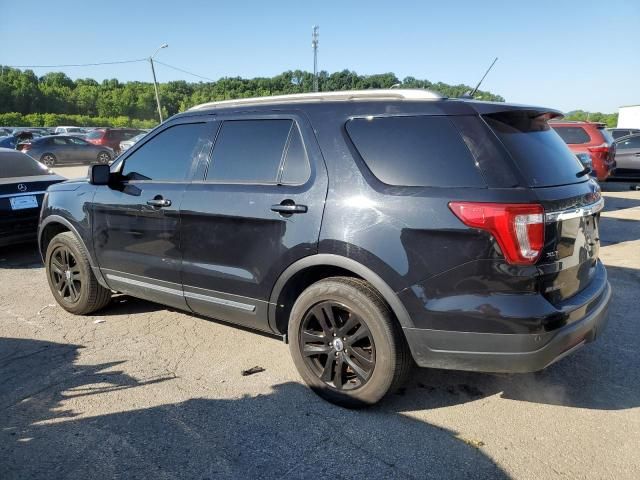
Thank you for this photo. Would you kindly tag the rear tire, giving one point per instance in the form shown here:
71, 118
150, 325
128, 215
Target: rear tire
48, 159
346, 343
71, 280
104, 158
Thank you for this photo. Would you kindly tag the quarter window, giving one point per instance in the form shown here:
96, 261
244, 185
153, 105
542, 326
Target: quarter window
295, 168
169, 155
415, 151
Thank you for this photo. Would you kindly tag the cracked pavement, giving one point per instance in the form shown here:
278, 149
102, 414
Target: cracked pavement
142, 391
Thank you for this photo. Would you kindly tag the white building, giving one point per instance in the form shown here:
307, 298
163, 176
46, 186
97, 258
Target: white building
629, 116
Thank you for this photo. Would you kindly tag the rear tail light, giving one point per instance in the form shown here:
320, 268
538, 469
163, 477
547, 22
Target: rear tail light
604, 148
518, 228
23, 147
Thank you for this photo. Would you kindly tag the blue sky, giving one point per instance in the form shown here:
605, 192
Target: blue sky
564, 54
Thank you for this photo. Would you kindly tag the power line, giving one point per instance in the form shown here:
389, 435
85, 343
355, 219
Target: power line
184, 71
78, 64
111, 63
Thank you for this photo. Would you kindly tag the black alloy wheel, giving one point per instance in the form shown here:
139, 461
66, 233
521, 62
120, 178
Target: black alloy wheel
337, 346
65, 274
48, 159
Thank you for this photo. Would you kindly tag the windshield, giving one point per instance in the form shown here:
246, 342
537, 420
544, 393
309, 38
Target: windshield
16, 164
541, 155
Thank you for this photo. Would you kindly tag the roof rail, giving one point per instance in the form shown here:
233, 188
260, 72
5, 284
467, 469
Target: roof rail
344, 95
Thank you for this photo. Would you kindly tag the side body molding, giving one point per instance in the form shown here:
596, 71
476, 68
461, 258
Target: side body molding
326, 259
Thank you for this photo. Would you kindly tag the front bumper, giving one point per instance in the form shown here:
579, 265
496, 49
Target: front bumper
505, 353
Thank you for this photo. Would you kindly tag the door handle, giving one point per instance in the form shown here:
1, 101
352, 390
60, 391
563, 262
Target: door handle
287, 207
159, 202
637, 154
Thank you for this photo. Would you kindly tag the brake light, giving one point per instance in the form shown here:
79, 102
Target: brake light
23, 147
604, 148
518, 228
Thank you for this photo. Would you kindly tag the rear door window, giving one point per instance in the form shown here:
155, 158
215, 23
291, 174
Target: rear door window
541, 155
425, 151
572, 135
250, 151
633, 142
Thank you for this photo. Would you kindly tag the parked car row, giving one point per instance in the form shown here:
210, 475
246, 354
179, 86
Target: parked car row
610, 153
111, 137
71, 145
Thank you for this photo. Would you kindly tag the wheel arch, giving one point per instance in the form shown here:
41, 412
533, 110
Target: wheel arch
302, 273
54, 225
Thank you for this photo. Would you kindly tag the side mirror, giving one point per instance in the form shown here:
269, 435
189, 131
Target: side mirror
99, 174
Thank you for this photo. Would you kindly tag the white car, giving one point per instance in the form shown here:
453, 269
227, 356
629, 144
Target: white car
68, 130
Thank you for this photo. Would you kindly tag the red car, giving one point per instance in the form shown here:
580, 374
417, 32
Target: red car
111, 137
591, 138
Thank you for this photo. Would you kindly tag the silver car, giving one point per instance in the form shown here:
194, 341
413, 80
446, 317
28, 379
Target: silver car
62, 149
127, 144
627, 157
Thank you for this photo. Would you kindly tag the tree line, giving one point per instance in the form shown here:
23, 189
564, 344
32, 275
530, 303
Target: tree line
610, 119
27, 98
55, 99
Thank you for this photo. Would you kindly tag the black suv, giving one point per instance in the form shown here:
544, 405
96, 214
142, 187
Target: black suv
369, 229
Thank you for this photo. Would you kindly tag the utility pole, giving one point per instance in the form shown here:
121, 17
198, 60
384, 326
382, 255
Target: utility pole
314, 44
155, 82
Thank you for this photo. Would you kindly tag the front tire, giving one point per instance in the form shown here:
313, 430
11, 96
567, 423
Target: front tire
48, 159
71, 280
346, 343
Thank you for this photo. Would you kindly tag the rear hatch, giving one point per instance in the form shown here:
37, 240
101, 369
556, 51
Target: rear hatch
568, 261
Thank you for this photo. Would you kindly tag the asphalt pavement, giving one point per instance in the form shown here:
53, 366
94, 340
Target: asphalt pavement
142, 391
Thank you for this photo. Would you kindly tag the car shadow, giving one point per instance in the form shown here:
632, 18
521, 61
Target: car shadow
619, 185
122, 304
21, 256
287, 433
612, 203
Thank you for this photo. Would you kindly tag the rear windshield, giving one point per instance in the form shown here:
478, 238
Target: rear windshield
572, 135
95, 134
541, 155
425, 151
16, 164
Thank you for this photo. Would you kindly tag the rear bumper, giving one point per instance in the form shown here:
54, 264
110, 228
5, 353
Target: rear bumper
508, 353
18, 231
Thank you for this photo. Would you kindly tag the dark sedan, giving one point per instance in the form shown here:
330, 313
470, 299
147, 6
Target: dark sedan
23, 182
64, 149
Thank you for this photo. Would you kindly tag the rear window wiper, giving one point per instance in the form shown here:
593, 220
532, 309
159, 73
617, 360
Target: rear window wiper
582, 173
